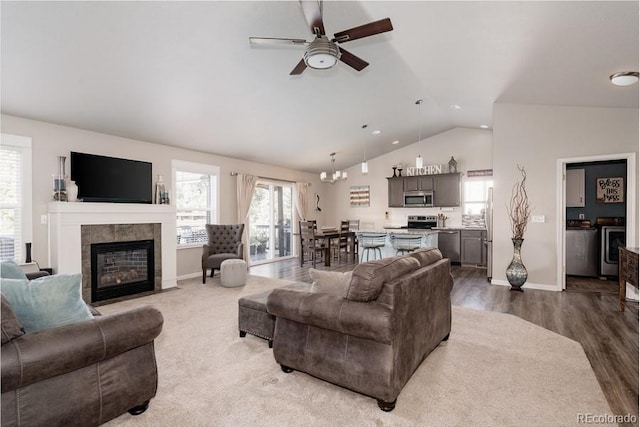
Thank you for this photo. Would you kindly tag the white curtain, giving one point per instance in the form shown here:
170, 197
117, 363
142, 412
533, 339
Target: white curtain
245, 185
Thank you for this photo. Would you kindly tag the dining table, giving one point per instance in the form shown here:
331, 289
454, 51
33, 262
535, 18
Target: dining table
329, 235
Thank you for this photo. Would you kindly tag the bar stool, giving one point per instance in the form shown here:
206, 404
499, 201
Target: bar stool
405, 242
371, 242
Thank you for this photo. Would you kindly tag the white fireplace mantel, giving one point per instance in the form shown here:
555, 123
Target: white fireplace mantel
66, 218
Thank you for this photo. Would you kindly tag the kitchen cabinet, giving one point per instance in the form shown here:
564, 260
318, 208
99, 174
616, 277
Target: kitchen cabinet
575, 188
396, 190
446, 190
445, 187
449, 244
472, 247
418, 183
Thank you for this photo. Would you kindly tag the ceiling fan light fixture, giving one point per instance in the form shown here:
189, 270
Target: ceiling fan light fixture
321, 54
624, 78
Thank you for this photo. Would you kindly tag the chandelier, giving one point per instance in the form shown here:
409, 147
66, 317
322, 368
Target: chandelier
335, 175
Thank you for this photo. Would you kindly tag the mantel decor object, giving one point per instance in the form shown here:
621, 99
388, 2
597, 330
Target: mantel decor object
519, 212
59, 185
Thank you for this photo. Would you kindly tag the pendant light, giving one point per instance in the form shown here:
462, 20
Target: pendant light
365, 166
419, 158
335, 175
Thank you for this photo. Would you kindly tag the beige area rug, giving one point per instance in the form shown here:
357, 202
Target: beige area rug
495, 370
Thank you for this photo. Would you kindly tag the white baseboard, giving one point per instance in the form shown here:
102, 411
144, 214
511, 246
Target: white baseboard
189, 276
527, 285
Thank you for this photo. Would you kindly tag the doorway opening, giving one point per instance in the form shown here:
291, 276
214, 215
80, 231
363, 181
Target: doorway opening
582, 213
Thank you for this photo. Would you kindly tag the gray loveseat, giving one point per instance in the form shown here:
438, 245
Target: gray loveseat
396, 311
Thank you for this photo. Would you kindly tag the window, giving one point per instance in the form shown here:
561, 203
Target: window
15, 197
475, 195
196, 199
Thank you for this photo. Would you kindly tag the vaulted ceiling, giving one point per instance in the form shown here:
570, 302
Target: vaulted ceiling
184, 73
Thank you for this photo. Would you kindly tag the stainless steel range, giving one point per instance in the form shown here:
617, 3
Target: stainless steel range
422, 221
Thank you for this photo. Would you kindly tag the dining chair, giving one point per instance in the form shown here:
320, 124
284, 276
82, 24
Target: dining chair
406, 242
371, 242
342, 241
310, 245
354, 225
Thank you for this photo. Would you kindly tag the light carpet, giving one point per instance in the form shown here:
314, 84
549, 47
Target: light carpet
495, 370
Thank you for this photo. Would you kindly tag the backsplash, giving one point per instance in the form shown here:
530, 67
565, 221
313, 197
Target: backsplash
473, 221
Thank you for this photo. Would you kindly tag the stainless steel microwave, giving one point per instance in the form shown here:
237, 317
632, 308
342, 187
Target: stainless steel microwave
418, 199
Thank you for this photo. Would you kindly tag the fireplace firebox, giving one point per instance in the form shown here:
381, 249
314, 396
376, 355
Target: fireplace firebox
121, 268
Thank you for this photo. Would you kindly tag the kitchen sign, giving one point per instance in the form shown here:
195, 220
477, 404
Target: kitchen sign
610, 190
425, 170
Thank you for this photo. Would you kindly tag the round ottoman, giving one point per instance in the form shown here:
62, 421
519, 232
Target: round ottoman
233, 273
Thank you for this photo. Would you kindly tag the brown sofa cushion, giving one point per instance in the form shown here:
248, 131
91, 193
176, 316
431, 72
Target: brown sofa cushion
427, 256
10, 325
369, 277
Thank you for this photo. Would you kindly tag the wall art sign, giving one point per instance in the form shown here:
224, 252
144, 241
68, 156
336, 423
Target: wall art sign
425, 170
480, 172
359, 196
610, 190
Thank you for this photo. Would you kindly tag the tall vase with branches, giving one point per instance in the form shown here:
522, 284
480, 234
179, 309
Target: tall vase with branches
519, 212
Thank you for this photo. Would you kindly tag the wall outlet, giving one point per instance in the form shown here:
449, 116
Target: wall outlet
386, 215
537, 218
580, 216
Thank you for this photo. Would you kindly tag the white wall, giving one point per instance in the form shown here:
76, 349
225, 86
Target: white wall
470, 147
535, 136
50, 141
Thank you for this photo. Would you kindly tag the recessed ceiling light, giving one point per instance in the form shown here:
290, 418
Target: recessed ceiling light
455, 107
375, 132
396, 142
484, 126
624, 78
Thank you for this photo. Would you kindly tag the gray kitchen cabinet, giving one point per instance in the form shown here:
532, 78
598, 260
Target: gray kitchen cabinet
472, 247
575, 188
396, 189
446, 190
418, 183
449, 244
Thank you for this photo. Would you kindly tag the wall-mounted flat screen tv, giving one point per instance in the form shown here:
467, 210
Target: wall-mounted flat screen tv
110, 179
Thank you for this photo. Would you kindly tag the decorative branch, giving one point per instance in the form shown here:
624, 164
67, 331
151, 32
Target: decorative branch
519, 209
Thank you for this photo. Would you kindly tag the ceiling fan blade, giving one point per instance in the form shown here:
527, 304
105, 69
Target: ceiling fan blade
366, 30
312, 10
351, 60
298, 69
276, 40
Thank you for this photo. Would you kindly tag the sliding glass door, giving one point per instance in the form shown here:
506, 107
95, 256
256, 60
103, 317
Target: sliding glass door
270, 219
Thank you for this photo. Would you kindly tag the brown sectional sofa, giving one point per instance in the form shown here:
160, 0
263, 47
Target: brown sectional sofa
82, 374
396, 311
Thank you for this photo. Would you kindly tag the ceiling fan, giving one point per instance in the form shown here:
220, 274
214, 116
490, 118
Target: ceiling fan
322, 52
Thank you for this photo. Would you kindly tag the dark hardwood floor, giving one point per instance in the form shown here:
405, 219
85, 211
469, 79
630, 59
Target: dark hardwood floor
588, 316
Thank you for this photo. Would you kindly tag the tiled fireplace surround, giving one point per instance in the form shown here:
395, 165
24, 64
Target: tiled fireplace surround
73, 227
111, 233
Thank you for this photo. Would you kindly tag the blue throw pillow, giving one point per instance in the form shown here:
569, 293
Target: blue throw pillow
11, 270
46, 302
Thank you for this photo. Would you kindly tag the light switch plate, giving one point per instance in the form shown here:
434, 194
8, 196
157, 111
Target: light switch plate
43, 219
537, 218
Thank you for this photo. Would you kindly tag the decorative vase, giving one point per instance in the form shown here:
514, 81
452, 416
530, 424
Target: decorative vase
27, 258
516, 272
72, 191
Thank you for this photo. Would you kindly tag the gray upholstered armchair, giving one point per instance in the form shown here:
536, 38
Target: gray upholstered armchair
225, 242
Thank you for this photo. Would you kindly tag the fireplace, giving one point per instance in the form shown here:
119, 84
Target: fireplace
121, 268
